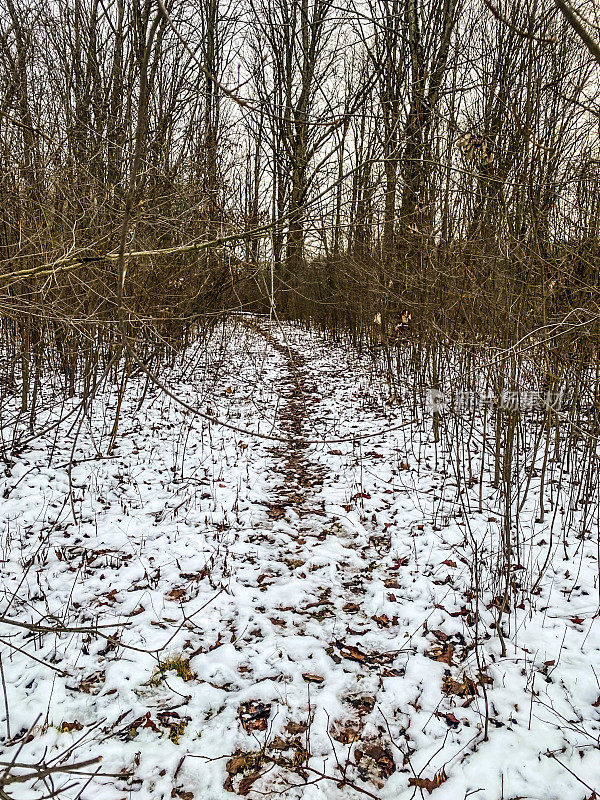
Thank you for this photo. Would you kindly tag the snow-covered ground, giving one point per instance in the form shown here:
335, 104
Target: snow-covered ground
212, 612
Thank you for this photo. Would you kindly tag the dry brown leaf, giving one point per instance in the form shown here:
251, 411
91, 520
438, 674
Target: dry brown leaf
142, 722
276, 512
383, 621
374, 763
346, 732
401, 562
248, 765
451, 720
440, 635
312, 678
351, 652
67, 727
363, 703
428, 783
442, 654
254, 715
465, 688
296, 727
247, 782
175, 594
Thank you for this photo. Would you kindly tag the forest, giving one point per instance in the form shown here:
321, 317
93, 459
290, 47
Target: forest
299, 399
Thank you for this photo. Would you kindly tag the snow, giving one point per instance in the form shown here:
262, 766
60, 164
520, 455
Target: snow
263, 561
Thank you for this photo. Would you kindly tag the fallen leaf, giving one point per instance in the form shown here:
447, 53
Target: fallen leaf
393, 672
363, 703
374, 763
465, 688
382, 621
236, 764
351, 652
67, 727
142, 722
312, 678
428, 783
246, 764
451, 720
194, 576
247, 782
254, 715
92, 684
347, 732
296, 727
276, 512
440, 635
464, 612
175, 594
401, 562
442, 654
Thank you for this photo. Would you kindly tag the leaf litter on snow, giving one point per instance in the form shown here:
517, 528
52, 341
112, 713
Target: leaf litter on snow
297, 621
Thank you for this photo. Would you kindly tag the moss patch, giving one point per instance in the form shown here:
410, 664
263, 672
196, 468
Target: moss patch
176, 663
